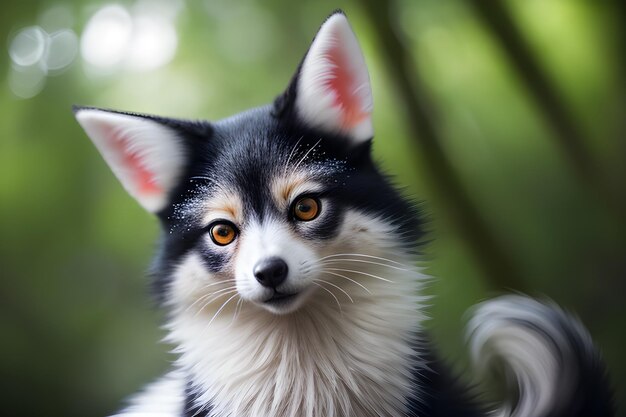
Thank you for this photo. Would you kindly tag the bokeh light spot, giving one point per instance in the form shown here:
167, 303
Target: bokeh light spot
153, 44
106, 37
141, 40
27, 82
62, 50
28, 46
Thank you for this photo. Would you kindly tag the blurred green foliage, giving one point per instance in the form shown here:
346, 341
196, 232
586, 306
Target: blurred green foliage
78, 330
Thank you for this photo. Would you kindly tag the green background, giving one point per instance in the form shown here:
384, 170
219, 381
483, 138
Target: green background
78, 332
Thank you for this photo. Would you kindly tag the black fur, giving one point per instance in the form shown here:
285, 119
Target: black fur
585, 389
191, 407
244, 152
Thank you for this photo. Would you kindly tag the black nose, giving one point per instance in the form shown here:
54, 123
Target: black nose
271, 272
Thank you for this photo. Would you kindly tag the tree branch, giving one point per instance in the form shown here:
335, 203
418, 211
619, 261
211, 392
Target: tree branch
497, 266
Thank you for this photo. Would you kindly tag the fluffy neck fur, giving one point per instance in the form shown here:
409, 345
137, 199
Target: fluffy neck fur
318, 361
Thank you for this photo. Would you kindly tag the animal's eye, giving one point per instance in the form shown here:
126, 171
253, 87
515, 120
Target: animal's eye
306, 208
222, 233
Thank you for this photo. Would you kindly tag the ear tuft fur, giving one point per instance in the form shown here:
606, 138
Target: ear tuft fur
331, 90
145, 155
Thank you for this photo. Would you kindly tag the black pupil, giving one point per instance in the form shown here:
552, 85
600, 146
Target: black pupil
304, 208
223, 231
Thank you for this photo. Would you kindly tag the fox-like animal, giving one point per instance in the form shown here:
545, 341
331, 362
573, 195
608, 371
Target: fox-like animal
287, 267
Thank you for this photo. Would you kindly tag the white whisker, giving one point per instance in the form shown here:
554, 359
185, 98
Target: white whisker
339, 260
305, 156
238, 309
345, 277
336, 286
205, 296
334, 255
293, 150
333, 295
221, 308
236, 313
212, 300
200, 177
216, 283
359, 272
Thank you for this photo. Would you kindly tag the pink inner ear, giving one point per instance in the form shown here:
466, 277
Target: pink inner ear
342, 84
142, 177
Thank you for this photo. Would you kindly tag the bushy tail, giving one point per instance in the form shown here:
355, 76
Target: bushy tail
550, 364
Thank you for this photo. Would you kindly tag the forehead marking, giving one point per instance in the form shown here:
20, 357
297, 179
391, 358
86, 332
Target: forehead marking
285, 188
223, 204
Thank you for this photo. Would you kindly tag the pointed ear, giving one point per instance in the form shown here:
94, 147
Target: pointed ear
331, 90
144, 154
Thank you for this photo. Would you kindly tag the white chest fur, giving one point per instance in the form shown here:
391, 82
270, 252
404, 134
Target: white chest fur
318, 361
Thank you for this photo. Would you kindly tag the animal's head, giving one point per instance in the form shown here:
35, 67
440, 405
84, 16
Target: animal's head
277, 205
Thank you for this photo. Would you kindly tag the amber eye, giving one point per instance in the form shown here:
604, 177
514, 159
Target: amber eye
306, 208
223, 233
